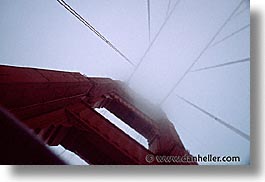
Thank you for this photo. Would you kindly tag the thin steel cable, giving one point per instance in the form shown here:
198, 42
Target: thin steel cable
222, 122
230, 35
168, 7
201, 53
80, 18
149, 21
242, 11
152, 42
223, 64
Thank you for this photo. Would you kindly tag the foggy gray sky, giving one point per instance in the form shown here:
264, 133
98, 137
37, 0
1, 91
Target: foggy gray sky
43, 34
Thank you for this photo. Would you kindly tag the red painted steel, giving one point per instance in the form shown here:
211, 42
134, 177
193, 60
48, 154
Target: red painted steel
59, 107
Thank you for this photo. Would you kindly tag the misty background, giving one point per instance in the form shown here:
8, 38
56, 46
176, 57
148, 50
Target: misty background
43, 34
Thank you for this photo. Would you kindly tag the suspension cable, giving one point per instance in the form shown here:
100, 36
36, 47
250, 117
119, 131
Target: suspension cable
230, 35
221, 65
202, 52
168, 7
222, 122
87, 24
149, 21
152, 42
